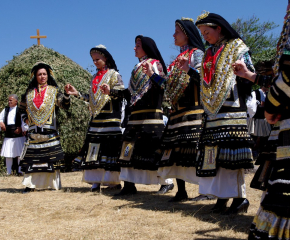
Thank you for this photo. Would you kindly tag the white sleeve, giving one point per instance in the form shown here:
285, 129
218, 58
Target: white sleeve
2, 115
24, 126
158, 69
263, 95
252, 104
196, 59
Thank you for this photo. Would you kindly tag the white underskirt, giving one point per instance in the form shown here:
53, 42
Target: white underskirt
226, 184
12, 147
188, 174
101, 176
42, 180
140, 176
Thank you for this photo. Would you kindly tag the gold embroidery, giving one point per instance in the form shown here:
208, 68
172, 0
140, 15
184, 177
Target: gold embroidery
214, 95
40, 116
147, 110
273, 100
199, 111
210, 154
106, 120
108, 111
99, 100
225, 122
127, 150
283, 152
93, 152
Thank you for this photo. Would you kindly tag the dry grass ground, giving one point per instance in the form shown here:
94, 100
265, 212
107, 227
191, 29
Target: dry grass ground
76, 213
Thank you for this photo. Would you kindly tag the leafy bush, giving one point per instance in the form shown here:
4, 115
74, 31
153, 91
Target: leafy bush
14, 79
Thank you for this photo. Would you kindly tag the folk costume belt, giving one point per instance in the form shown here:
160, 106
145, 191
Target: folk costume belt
147, 111
36, 137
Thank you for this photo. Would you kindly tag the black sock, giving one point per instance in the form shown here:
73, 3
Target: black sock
180, 185
129, 184
237, 201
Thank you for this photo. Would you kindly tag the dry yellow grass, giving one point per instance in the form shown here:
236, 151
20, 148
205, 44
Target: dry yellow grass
76, 213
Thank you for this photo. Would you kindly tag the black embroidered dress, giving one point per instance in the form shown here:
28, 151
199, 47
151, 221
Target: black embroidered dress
43, 154
272, 220
145, 126
103, 141
181, 135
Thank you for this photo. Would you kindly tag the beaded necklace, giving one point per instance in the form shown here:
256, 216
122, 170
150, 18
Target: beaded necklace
177, 80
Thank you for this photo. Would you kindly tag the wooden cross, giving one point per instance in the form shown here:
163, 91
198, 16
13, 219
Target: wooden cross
38, 37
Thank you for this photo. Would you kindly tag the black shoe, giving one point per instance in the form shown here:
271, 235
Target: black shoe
165, 188
28, 190
202, 198
180, 196
127, 191
97, 189
220, 205
240, 208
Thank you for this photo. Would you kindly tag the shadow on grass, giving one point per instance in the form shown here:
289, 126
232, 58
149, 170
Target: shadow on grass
200, 210
211, 234
12, 190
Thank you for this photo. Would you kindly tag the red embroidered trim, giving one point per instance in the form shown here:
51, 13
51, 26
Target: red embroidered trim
209, 64
97, 80
39, 97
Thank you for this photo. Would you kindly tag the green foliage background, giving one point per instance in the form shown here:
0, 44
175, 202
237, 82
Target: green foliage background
14, 79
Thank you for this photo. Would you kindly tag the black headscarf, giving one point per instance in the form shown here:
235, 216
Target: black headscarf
190, 30
50, 78
151, 50
110, 62
212, 18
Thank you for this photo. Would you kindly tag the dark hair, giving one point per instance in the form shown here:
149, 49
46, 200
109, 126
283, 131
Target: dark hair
150, 48
110, 62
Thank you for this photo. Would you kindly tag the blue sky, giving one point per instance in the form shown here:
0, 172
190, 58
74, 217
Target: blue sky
73, 27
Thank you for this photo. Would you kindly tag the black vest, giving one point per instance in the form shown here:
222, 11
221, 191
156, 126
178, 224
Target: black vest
9, 133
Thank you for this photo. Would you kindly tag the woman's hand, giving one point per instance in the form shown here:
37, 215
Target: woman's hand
105, 88
69, 89
272, 118
182, 63
147, 68
241, 70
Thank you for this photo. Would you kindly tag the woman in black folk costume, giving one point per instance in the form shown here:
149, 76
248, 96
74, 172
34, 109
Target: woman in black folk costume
226, 145
42, 155
273, 217
180, 140
145, 126
103, 141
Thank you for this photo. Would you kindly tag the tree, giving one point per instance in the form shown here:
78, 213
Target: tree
14, 79
258, 38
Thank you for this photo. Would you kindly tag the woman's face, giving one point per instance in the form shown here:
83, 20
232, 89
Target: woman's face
41, 76
139, 52
180, 39
99, 60
210, 34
